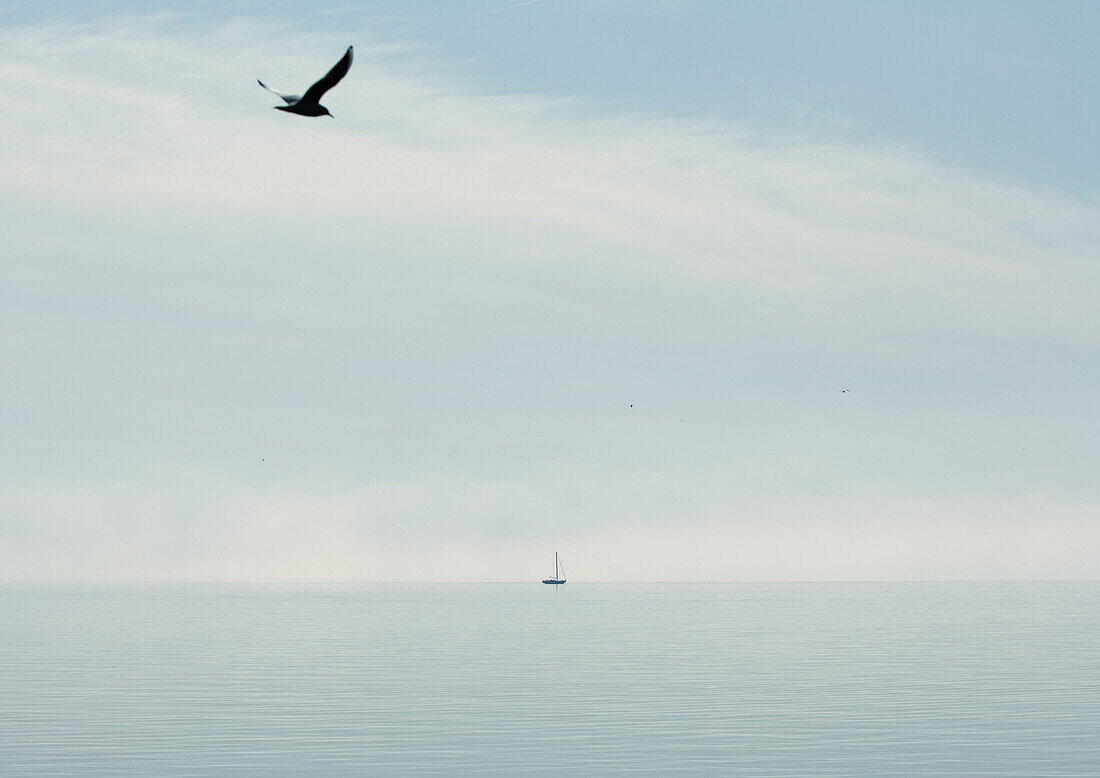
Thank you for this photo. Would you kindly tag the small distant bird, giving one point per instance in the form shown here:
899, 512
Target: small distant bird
844, 391
309, 104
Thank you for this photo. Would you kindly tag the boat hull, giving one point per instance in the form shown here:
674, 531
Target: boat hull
554, 581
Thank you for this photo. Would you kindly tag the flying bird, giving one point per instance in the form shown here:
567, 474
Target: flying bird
309, 104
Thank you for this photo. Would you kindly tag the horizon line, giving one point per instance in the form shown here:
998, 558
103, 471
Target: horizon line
443, 581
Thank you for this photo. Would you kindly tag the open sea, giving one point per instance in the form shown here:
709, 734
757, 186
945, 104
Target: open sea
862, 679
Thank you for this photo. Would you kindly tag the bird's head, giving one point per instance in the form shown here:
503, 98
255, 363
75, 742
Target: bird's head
326, 113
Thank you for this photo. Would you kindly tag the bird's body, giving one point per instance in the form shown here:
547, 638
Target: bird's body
307, 109
309, 104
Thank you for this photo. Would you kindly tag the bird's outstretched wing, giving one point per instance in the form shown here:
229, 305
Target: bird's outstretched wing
290, 99
330, 79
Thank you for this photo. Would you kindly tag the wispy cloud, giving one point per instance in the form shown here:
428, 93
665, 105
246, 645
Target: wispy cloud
509, 7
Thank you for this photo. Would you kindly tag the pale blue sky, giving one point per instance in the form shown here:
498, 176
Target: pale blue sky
1007, 86
238, 344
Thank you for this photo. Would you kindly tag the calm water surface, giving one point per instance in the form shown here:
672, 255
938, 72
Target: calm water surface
524, 679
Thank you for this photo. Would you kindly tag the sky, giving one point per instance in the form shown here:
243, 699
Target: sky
684, 290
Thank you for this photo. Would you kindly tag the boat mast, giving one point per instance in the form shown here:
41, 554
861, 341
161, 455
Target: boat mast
556, 576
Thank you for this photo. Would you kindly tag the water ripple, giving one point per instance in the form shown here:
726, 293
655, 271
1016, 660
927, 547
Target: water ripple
500, 679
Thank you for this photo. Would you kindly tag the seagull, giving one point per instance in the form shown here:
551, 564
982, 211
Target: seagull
309, 104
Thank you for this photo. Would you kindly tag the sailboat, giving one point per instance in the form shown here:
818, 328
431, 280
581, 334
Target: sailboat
559, 577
